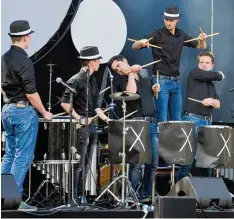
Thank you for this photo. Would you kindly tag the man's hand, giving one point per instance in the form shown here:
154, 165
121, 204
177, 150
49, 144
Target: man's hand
144, 43
202, 36
156, 88
135, 68
83, 119
48, 116
208, 102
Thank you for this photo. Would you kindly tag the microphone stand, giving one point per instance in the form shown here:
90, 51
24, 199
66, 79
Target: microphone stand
50, 84
111, 105
83, 199
69, 151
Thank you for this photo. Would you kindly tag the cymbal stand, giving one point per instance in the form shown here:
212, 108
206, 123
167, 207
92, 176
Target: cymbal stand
123, 176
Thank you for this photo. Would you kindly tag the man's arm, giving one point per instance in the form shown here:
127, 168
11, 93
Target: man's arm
101, 115
35, 100
140, 44
202, 75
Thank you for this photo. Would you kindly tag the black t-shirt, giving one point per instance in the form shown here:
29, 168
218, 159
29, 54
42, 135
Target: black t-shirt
79, 83
17, 74
170, 53
199, 87
145, 104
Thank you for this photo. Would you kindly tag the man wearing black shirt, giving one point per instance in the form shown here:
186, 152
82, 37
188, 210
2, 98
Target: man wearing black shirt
171, 39
201, 87
19, 118
133, 82
90, 60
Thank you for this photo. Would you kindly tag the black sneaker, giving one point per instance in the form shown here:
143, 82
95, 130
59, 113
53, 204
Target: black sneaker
24, 207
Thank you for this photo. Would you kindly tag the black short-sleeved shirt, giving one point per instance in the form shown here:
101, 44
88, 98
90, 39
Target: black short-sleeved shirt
17, 74
79, 83
199, 87
170, 53
145, 104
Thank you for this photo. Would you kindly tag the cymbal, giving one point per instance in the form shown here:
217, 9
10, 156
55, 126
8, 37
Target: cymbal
51, 64
126, 96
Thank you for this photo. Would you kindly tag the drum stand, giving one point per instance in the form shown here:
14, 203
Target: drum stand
123, 176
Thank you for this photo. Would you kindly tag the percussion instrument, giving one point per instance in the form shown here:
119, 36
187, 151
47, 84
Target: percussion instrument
177, 141
126, 96
138, 148
215, 146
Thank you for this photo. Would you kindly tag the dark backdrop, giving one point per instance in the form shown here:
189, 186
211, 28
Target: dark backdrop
143, 16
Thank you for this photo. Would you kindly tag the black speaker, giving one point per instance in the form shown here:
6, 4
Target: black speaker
175, 207
207, 190
10, 195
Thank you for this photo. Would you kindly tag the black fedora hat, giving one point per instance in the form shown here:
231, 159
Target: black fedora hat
89, 53
20, 28
171, 13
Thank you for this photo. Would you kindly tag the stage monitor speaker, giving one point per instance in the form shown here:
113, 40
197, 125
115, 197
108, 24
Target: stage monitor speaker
207, 190
10, 195
175, 207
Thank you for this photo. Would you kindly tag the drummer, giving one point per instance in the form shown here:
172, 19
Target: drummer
90, 60
201, 99
134, 79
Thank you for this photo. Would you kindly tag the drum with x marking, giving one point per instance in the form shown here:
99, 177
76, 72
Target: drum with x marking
177, 141
215, 146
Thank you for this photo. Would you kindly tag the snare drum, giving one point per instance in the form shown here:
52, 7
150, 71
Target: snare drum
137, 139
55, 137
177, 141
215, 146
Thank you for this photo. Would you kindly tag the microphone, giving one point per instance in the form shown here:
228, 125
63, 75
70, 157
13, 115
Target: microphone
231, 90
59, 80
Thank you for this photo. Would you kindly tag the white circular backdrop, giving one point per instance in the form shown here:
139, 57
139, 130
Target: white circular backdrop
44, 16
100, 23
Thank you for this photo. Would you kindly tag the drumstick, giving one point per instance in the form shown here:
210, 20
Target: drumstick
199, 101
213, 34
200, 29
59, 114
156, 95
143, 66
148, 40
123, 117
102, 111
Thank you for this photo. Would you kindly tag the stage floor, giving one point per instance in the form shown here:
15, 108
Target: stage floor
81, 212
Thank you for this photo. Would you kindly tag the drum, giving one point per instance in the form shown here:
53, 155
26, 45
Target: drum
105, 174
177, 141
53, 137
215, 146
137, 148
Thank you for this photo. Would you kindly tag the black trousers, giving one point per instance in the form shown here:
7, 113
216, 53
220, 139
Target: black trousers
85, 150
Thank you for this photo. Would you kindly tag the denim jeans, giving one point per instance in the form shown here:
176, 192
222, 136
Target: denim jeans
85, 150
184, 170
149, 169
21, 127
169, 102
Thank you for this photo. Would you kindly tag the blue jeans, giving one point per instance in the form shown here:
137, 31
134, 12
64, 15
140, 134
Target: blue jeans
169, 102
184, 170
149, 170
21, 127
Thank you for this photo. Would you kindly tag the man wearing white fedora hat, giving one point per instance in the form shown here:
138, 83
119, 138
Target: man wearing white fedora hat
19, 117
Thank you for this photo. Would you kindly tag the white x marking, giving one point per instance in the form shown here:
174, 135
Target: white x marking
137, 139
187, 140
225, 145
